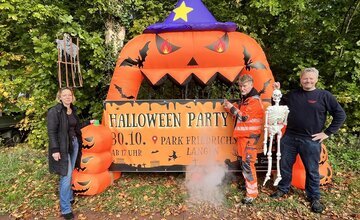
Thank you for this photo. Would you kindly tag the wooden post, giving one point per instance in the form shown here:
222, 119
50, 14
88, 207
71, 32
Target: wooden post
65, 57
72, 62
78, 63
59, 68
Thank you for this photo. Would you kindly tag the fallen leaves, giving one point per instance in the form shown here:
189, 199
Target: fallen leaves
30, 192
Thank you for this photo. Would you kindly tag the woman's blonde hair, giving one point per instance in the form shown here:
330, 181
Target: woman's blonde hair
58, 94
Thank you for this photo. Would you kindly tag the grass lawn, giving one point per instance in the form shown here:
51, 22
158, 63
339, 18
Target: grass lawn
28, 191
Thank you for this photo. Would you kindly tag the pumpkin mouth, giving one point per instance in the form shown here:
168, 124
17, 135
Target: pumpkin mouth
80, 191
81, 169
88, 146
182, 76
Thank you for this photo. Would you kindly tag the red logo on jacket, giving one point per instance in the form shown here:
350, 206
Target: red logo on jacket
312, 101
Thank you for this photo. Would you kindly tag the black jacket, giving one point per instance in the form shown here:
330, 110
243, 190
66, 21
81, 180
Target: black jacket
59, 140
308, 112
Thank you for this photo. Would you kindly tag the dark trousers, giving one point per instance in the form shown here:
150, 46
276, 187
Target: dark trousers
310, 155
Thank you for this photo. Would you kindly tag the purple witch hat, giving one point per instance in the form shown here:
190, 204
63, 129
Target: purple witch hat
190, 15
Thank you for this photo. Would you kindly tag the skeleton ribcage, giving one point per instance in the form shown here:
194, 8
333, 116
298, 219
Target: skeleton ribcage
276, 118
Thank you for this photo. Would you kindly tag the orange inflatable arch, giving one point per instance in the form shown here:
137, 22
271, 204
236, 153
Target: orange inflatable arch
189, 44
194, 46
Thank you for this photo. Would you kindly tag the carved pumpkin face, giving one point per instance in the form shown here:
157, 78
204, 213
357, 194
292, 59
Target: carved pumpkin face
95, 162
204, 55
96, 138
323, 154
325, 173
299, 175
90, 184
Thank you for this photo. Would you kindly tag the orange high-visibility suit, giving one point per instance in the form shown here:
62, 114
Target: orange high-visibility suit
249, 126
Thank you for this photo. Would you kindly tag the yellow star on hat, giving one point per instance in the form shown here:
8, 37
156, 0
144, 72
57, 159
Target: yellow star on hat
182, 11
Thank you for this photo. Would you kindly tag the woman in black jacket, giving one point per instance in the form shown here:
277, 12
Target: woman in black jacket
65, 143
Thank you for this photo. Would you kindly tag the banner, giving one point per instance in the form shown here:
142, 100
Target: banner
166, 135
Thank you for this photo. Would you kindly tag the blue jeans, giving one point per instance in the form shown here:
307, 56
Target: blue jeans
66, 193
309, 151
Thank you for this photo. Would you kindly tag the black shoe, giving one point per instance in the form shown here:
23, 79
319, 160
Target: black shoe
247, 200
277, 194
72, 202
68, 216
316, 206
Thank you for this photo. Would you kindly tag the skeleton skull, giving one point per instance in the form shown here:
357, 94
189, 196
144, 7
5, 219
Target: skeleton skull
276, 95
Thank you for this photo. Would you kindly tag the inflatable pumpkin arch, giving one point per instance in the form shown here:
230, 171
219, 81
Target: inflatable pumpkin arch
189, 44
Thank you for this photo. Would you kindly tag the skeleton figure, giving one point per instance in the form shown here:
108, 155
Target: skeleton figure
275, 119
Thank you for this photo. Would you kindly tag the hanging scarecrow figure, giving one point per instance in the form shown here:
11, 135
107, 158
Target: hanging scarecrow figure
68, 62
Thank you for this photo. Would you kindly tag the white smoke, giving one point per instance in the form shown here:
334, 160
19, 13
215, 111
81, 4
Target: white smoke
204, 181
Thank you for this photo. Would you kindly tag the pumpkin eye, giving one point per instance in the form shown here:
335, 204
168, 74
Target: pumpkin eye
221, 45
84, 183
86, 159
89, 139
328, 172
165, 47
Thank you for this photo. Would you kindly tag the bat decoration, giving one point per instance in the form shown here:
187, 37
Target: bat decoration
266, 84
119, 89
249, 63
139, 61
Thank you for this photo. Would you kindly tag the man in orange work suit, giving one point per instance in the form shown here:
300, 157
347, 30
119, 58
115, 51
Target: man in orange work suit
249, 116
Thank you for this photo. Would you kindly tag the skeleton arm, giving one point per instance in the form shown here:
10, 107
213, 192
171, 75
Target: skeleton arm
266, 128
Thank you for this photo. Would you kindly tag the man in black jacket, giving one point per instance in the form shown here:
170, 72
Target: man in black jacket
304, 133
